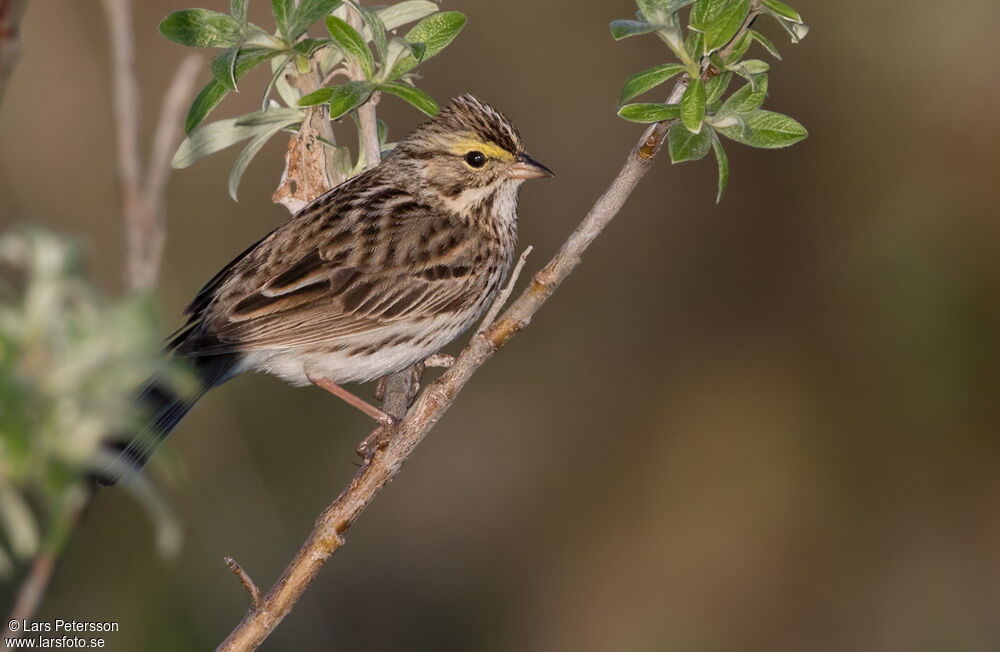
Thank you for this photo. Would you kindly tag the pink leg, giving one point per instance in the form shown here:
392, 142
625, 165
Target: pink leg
351, 399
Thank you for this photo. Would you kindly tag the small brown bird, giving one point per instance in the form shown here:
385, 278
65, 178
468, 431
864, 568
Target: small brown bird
373, 276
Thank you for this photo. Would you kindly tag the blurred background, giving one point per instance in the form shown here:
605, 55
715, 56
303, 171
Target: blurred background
765, 425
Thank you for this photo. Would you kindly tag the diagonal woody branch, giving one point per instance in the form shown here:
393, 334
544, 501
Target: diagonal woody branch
384, 463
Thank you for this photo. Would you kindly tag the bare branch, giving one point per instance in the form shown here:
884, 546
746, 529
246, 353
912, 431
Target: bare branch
11, 13
31, 591
169, 126
143, 198
248, 583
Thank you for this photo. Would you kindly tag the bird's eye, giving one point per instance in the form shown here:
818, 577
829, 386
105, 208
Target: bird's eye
476, 159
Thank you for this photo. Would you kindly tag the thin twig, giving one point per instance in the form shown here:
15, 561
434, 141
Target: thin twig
29, 594
385, 462
143, 197
501, 299
251, 587
11, 13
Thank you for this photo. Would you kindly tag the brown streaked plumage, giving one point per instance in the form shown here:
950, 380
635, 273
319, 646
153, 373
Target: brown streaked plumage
371, 277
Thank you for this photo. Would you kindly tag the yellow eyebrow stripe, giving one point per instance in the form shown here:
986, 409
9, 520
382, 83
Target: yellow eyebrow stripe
466, 145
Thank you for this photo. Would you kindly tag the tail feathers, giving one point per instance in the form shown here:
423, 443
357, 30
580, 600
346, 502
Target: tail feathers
167, 408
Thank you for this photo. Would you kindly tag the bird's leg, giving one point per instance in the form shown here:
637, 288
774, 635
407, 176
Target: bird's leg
385, 419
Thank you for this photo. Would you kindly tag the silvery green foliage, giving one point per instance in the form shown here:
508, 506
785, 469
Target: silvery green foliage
707, 50
70, 363
387, 61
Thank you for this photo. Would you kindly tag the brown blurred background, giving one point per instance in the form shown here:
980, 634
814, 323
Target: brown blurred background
767, 425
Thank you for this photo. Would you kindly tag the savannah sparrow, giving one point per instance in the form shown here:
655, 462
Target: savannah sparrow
373, 276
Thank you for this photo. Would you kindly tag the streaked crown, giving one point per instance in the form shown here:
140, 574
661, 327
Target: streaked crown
468, 122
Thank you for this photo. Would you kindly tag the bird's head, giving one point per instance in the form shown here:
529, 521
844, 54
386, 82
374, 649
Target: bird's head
468, 152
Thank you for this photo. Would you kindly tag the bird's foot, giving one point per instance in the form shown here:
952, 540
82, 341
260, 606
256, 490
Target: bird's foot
386, 420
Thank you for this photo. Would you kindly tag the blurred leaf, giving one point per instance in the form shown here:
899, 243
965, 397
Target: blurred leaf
214, 91
435, 33
783, 10
648, 79
307, 13
722, 30
201, 28
688, 146
18, 524
249, 152
740, 47
693, 105
723, 161
766, 130
413, 95
766, 42
353, 46
282, 11
646, 113
625, 28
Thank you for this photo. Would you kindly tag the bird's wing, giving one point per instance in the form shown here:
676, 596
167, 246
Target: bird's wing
365, 277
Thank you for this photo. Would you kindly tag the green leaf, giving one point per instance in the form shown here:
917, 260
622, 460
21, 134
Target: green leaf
402, 13
219, 135
705, 12
351, 43
658, 11
746, 99
224, 68
238, 10
322, 96
648, 79
693, 105
766, 42
201, 28
282, 11
307, 13
250, 151
716, 87
435, 32
766, 130
783, 10
284, 115
797, 31
739, 48
625, 28
342, 98
688, 146
378, 33
723, 161
413, 95
214, 91
724, 28
646, 113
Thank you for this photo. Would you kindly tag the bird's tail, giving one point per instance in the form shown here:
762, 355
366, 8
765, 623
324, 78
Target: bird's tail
166, 407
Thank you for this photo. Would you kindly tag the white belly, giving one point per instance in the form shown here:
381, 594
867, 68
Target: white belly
362, 357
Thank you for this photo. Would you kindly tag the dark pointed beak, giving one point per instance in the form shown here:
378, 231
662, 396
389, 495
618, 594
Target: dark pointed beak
525, 167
